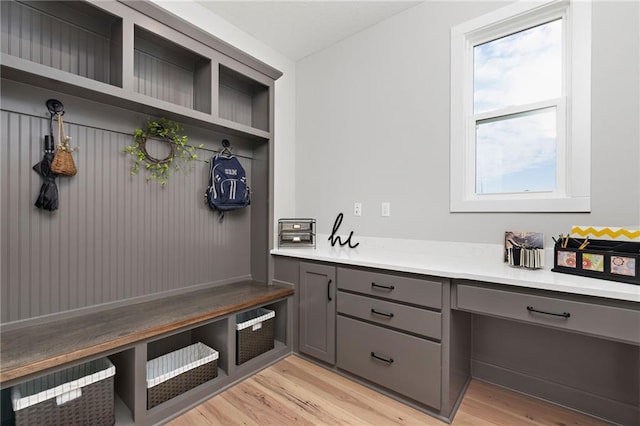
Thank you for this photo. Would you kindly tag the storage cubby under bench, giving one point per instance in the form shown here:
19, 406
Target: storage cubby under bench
130, 335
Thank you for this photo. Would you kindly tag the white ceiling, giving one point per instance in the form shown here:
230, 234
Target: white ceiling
299, 28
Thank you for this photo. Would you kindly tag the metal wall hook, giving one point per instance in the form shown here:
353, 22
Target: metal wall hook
55, 107
226, 148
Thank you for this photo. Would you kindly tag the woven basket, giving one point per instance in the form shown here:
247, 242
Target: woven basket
63, 163
254, 334
81, 395
176, 372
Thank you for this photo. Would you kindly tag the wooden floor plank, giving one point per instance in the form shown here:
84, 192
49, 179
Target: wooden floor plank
490, 400
297, 392
359, 399
305, 400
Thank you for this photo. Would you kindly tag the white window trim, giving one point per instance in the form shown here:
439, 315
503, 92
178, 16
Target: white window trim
574, 180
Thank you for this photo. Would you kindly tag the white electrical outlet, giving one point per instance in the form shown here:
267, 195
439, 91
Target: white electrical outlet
357, 209
385, 209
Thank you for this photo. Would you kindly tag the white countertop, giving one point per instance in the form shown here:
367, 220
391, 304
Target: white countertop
472, 261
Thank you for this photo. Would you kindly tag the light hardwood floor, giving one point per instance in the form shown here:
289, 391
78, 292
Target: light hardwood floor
297, 392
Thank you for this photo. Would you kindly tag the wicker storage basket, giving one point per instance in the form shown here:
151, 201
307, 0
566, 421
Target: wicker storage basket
254, 333
176, 372
81, 395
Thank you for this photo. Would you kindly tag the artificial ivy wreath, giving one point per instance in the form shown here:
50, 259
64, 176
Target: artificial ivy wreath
179, 157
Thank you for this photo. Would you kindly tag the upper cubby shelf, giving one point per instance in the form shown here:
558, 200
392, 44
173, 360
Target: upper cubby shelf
74, 37
135, 55
243, 100
167, 71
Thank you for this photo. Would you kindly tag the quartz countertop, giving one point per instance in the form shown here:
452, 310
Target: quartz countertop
470, 261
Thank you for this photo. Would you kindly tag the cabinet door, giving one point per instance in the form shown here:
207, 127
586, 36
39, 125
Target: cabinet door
318, 311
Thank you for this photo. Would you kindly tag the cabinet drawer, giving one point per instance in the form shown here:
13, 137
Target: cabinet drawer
404, 364
296, 225
296, 237
404, 289
591, 318
415, 320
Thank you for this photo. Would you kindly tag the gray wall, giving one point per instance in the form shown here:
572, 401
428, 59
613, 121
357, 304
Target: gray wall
373, 125
114, 236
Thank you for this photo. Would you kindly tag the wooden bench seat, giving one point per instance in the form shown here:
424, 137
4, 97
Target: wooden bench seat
37, 348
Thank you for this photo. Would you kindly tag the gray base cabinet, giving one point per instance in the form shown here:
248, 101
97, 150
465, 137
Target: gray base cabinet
317, 311
385, 329
390, 330
420, 339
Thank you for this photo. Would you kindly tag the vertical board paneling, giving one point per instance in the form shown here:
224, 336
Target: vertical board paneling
114, 236
41, 38
162, 80
235, 105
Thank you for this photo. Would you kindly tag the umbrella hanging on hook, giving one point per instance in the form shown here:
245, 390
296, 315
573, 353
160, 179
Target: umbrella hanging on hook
48, 196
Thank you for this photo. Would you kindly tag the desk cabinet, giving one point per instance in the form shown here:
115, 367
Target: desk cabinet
577, 351
421, 338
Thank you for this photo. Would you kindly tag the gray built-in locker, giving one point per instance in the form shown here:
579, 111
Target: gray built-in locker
116, 237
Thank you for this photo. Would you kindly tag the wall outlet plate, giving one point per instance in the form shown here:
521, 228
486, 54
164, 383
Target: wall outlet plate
385, 209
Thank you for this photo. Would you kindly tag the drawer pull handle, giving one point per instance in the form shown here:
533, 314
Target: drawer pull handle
329, 290
564, 314
382, 358
384, 287
384, 314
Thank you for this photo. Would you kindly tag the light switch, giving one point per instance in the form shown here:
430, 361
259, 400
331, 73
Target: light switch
385, 209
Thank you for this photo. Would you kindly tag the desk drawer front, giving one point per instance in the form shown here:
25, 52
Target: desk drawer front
415, 320
403, 289
600, 320
405, 364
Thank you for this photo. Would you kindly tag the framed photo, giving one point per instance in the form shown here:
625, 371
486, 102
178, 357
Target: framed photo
527, 240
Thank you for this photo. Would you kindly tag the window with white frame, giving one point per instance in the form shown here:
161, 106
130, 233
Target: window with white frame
520, 109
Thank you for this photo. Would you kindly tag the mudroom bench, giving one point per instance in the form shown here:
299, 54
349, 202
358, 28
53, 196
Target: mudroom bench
131, 335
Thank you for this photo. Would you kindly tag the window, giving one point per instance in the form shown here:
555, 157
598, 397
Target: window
520, 109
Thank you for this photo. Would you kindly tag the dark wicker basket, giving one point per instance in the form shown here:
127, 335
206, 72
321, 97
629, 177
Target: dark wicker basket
181, 382
254, 334
94, 404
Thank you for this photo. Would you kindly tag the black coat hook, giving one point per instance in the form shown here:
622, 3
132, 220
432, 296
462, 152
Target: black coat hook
55, 107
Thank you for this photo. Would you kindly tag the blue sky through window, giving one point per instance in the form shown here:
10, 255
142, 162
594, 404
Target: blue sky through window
517, 153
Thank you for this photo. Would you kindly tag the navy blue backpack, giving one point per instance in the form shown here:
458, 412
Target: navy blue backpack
228, 189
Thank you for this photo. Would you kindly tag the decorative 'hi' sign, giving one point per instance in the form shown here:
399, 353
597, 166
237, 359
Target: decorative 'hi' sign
336, 239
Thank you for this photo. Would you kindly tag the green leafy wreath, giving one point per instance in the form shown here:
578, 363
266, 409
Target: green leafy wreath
159, 169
